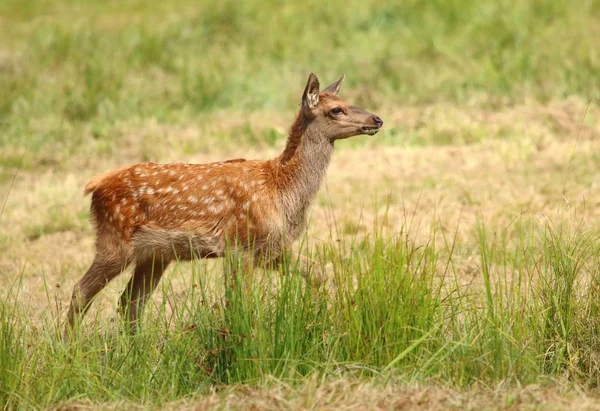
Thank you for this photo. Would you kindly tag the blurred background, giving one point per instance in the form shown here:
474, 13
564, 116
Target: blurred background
73, 73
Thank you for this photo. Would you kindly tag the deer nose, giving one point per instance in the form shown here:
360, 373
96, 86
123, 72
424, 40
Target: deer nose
378, 121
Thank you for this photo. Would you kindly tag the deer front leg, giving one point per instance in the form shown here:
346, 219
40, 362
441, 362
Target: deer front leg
311, 274
309, 269
238, 264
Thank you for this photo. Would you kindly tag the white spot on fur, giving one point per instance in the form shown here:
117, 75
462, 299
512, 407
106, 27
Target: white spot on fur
192, 199
215, 209
150, 191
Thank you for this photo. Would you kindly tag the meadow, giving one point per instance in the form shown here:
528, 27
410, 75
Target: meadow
461, 244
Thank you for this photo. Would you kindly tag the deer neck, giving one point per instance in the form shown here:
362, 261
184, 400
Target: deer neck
301, 169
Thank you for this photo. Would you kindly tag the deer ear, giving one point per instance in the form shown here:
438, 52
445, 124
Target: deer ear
334, 88
310, 98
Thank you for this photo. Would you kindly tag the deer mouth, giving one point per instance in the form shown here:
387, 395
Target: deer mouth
370, 130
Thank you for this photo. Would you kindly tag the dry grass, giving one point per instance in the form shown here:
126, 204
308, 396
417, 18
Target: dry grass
536, 168
344, 394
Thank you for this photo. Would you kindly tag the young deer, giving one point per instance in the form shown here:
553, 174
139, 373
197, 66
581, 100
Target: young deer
151, 214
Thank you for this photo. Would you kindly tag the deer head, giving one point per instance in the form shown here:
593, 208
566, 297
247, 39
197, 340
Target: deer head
331, 116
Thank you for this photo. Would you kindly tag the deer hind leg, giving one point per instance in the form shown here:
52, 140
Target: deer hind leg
146, 276
102, 270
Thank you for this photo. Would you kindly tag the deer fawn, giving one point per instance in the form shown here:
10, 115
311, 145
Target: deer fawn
151, 214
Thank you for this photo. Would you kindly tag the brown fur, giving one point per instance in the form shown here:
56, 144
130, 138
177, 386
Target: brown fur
95, 181
151, 214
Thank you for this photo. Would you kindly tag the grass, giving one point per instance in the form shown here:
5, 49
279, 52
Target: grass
396, 310
70, 72
460, 244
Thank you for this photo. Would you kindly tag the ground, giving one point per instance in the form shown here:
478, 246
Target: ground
353, 395
49, 241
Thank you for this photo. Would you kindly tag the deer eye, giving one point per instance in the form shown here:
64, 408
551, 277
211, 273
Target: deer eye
336, 111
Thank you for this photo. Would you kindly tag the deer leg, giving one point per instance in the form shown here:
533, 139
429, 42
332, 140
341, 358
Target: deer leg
94, 280
311, 275
239, 265
145, 278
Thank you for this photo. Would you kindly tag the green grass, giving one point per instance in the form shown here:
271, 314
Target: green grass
72, 71
396, 309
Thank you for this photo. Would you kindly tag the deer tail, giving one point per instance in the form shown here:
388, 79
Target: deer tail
98, 180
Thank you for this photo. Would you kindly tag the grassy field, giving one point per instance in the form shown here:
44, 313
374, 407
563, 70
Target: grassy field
461, 244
